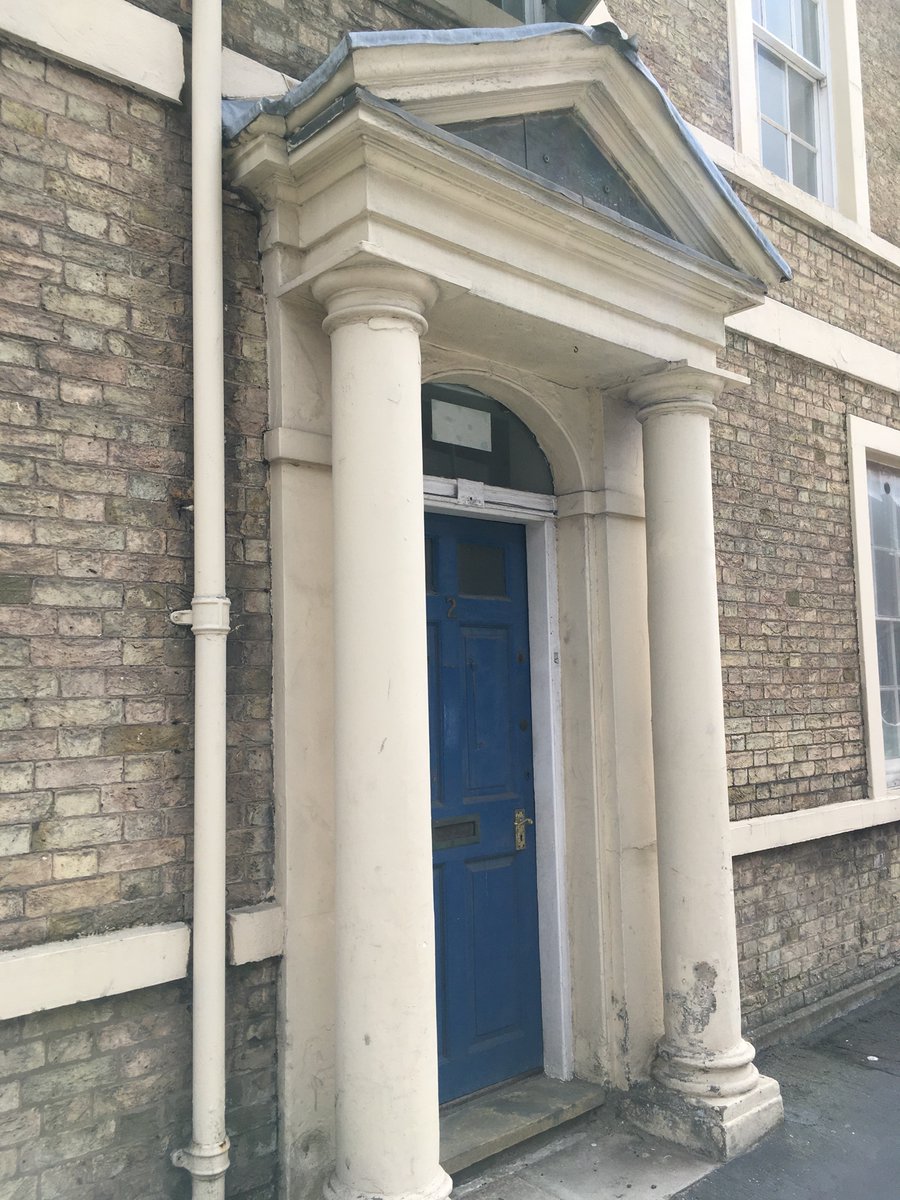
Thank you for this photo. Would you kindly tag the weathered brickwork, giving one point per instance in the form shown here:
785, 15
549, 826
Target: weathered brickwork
95, 520
294, 36
94, 1098
832, 279
685, 45
815, 918
787, 586
879, 51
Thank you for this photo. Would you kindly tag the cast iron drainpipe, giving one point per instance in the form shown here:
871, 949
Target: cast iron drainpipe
207, 1157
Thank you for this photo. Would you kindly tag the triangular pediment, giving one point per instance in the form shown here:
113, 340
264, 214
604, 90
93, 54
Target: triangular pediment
558, 148
573, 107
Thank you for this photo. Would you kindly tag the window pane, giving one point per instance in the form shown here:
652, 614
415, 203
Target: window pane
778, 19
482, 570
466, 435
771, 87
757, 11
885, 583
802, 94
881, 513
805, 172
887, 659
889, 723
774, 149
809, 31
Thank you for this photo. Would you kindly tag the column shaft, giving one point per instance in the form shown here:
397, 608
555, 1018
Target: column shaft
387, 1097
703, 1050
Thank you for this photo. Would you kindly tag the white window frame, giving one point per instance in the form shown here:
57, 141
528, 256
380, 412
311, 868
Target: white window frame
846, 186
818, 77
869, 443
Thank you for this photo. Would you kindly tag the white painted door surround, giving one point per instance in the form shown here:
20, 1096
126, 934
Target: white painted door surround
394, 250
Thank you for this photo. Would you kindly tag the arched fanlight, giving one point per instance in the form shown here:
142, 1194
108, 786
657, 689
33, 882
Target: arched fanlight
467, 435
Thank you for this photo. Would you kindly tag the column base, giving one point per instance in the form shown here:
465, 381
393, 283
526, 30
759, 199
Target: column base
438, 1189
718, 1127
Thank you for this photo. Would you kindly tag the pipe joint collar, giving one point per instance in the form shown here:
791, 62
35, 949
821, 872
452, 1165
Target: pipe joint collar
207, 614
203, 1162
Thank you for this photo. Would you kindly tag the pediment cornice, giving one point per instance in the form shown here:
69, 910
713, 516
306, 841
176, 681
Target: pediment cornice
444, 78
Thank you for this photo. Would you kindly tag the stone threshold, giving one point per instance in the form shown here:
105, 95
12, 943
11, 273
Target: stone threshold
483, 1125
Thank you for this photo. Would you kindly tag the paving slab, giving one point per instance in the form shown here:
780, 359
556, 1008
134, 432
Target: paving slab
602, 1158
841, 1089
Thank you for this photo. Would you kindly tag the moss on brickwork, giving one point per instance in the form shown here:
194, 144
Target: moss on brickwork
95, 521
96, 1096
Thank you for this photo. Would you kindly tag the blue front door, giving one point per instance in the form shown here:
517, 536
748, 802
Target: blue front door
482, 795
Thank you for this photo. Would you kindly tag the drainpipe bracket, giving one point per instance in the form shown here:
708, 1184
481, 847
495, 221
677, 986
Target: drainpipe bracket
203, 1162
207, 614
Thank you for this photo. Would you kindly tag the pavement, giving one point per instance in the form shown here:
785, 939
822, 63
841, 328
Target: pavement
841, 1089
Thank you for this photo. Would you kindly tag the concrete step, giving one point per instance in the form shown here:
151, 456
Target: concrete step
474, 1129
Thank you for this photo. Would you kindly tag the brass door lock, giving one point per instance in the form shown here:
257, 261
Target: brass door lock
519, 823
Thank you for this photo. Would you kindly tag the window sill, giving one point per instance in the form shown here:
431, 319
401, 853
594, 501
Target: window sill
756, 834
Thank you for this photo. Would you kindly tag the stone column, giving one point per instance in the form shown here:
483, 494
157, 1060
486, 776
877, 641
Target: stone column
722, 1103
387, 1089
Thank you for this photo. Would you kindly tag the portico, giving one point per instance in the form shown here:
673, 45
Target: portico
406, 239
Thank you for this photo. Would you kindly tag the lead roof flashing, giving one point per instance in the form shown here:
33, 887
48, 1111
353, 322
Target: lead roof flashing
238, 115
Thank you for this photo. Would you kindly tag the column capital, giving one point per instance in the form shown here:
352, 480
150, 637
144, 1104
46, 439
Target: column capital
375, 292
680, 388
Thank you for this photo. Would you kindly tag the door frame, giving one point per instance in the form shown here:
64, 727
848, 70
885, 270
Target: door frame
465, 498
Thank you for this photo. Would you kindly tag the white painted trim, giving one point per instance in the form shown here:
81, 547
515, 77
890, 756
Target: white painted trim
461, 496
742, 63
255, 933
850, 165
531, 510
807, 824
247, 79
109, 37
868, 441
88, 968
809, 337
297, 446
847, 168
546, 723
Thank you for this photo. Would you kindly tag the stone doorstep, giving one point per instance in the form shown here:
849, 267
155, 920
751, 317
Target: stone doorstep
481, 1126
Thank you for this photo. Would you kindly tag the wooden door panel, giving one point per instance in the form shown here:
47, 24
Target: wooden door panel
488, 712
486, 930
